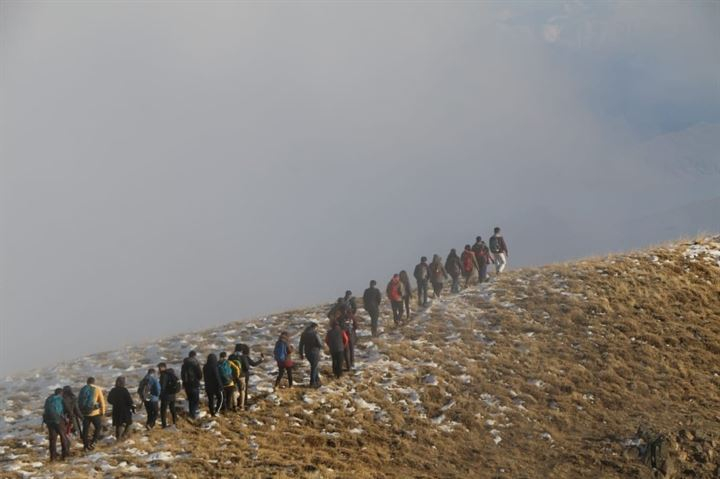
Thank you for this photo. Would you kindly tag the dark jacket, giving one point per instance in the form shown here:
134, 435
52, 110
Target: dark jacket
372, 299
437, 272
245, 363
453, 266
309, 341
72, 411
422, 272
482, 253
213, 383
334, 340
407, 288
122, 406
497, 244
165, 392
191, 373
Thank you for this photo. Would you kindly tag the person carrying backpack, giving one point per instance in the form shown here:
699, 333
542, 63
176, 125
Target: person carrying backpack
123, 408
336, 340
422, 276
191, 375
169, 387
92, 406
54, 418
371, 302
454, 269
395, 293
311, 347
438, 275
234, 358
469, 264
482, 255
228, 371
73, 416
407, 292
149, 392
246, 362
213, 384
281, 353
499, 250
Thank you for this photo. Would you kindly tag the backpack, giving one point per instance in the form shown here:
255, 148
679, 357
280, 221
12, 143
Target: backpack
225, 372
467, 259
494, 244
280, 351
86, 400
187, 373
53, 410
144, 389
172, 384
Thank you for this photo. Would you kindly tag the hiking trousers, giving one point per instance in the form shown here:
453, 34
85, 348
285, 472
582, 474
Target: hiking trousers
193, 397
96, 422
313, 357
215, 401
397, 309
422, 292
437, 289
500, 262
455, 288
229, 396
350, 350
374, 314
406, 300
482, 274
166, 403
281, 371
151, 409
55, 430
337, 360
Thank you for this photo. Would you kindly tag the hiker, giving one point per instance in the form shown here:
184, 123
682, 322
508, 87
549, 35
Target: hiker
237, 373
228, 372
482, 255
191, 375
371, 302
213, 384
438, 275
499, 250
350, 328
149, 392
311, 347
336, 340
122, 408
454, 269
54, 418
246, 362
469, 264
394, 292
407, 291
92, 406
73, 416
422, 275
169, 387
282, 352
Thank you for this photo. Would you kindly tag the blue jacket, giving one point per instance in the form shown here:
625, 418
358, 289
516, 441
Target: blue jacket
154, 383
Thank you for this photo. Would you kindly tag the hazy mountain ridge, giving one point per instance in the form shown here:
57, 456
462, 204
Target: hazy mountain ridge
544, 372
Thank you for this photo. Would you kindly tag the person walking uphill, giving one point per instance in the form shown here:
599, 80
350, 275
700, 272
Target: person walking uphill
499, 250
422, 276
371, 302
350, 328
246, 362
149, 392
282, 352
92, 406
228, 371
191, 375
482, 255
54, 418
336, 340
469, 264
169, 387
73, 416
394, 292
122, 408
213, 384
407, 291
454, 269
438, 275
311, 347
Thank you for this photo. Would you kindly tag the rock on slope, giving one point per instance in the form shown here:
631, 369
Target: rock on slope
600, 368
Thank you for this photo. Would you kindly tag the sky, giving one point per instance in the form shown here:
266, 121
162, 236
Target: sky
171, 166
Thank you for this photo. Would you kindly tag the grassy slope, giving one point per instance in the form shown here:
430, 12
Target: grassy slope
561, 363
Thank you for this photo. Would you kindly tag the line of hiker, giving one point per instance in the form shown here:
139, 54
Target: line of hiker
226, 379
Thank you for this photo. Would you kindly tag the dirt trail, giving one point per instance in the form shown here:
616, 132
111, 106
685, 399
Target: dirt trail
564, 371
